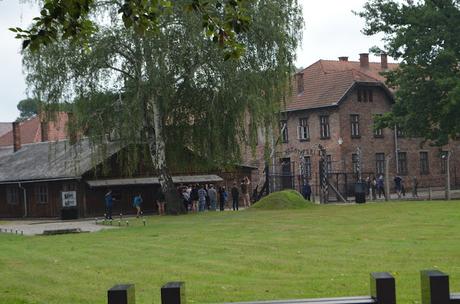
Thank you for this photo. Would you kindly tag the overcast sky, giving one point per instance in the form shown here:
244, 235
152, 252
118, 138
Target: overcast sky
331, 30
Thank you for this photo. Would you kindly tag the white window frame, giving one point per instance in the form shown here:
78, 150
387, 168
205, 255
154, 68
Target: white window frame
303, 132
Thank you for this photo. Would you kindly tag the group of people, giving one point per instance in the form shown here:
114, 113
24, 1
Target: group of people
196, 198
199, 198
376, 186
137, 204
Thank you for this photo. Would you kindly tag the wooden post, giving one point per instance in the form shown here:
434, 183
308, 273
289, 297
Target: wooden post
435, 287
121, 294
383, 288
173, 293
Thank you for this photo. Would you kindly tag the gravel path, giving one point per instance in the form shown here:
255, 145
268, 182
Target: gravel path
37, 227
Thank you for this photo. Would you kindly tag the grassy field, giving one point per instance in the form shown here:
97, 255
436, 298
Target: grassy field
321, 251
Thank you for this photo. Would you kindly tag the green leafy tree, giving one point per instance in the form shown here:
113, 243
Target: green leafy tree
424, 36
170, 89
27, 108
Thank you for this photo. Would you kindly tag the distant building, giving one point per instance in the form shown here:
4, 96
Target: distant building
33, 131
41, 177
335, 103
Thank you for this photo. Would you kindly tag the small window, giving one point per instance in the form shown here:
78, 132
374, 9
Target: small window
354, 121
424, 164
41, 193
402, 163
300, 83
329, 163
324, 127
355, 162
378, 132
303, 132
365, 95
306, 169
284, 131
12, 195
380, 163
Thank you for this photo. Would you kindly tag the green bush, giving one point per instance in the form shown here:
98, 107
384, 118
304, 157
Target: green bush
287, 199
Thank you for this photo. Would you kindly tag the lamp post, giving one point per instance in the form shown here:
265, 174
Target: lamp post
446, 156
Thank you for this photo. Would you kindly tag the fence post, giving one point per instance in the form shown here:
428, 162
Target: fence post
383, 288
121, 294
435, 287
173, 293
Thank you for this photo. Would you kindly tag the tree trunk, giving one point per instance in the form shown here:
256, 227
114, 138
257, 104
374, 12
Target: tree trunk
157, 149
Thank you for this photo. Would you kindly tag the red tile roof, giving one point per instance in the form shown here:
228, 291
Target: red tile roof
31, 130
327, 81
5, 127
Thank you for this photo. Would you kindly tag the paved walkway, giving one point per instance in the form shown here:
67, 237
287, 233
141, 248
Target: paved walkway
36, 227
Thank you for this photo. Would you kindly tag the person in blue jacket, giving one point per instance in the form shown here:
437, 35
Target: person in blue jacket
137, 201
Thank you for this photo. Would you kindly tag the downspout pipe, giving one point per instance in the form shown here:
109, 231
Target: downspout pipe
25, 198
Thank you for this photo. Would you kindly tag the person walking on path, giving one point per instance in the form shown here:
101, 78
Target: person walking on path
306, 191
108, 205
202, 198
137, 201
368, 187
374, 188
161, 202
212, 194
223, 195
380, 186
245, 192
235, 196
415, 187
397, 180
185, 198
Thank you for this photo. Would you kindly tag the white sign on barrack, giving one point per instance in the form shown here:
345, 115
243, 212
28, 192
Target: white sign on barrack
69, 198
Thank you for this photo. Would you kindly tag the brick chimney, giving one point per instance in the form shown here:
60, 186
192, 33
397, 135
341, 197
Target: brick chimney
343, 58
44, 129
364, 60
16, 136
71, 128
384, 61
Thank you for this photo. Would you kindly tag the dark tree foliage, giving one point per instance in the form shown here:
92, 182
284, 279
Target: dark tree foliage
27, 108
222, 20
424, 35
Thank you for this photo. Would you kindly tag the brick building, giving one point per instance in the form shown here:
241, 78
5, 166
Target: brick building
46, 174
33, 131
334, 103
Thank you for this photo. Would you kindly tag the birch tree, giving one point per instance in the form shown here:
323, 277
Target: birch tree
170, 89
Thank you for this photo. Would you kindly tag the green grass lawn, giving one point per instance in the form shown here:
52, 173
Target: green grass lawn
321, 251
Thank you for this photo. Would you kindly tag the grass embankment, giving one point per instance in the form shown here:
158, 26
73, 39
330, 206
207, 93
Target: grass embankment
287, 199
239, 256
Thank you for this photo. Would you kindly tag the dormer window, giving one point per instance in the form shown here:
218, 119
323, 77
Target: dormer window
365, 95
299, 83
